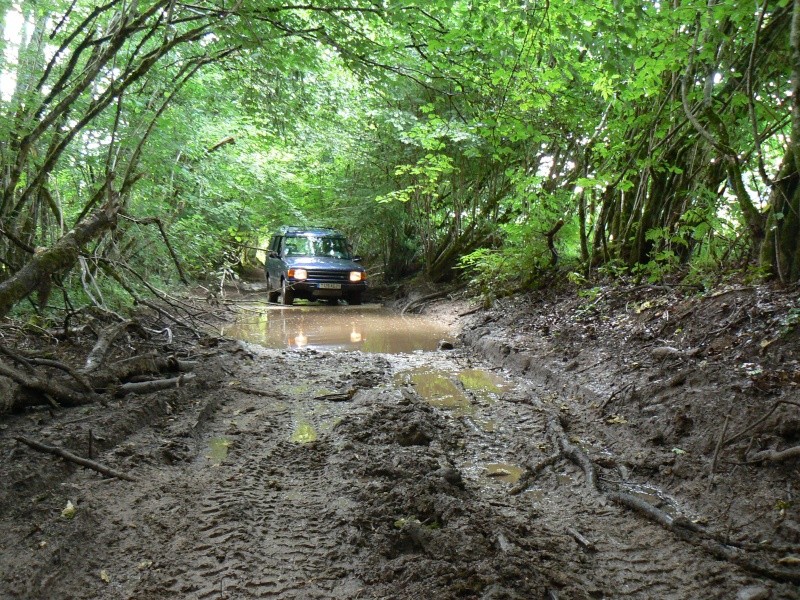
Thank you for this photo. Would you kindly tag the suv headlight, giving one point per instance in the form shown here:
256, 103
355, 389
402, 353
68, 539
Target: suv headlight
298, 273
357, 276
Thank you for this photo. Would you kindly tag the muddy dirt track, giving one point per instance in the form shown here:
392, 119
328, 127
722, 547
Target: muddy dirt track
310, 474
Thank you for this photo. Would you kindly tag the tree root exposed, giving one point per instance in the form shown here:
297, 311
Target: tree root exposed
68, 456
418, 303
51, 389
775, 455
92, 383
681, 527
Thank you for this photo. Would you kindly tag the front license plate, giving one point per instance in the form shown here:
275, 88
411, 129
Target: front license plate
330, 286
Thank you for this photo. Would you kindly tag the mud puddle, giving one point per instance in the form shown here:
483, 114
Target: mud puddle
504, 472
369, 328
218, 450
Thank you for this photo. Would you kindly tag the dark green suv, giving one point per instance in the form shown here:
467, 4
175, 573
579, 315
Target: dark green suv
314, 264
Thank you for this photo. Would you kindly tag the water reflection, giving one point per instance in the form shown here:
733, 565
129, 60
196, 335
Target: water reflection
304, 431
486, 386
365, 328
218, 450
439, 390
505, 472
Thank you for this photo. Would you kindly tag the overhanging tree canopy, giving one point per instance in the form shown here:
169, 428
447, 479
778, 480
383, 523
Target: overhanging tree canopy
657, 133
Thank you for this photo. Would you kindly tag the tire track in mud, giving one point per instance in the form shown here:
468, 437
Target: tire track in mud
630, 557
388, 498
263, 525
271, 551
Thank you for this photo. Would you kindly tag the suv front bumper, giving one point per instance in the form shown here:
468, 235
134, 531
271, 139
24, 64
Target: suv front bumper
325, 289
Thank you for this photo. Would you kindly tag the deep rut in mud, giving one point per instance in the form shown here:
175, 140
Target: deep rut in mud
304, 474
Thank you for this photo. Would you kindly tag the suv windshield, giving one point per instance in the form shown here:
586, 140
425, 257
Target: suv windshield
308, 245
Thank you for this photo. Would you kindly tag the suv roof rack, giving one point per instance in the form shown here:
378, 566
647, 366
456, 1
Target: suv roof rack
296, 229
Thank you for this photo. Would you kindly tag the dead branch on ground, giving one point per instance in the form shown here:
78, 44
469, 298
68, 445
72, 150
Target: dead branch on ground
680, 526
156, 385
139, 300
143, 364
107, 336
68, 456
582, 540
47, 388
760, 421
61, 257
718, 447
415, 304
773, 455
533, 472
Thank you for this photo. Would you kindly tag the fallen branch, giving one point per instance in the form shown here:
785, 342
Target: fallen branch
679, 525
78, 377
145, 387
750, 428
112, 272
718, 447
30, 362
472, 311
255, 391
68, 456
338, 397
615, 393
420, 301
101, 348
572, 452
142, 364
691, 533
643, 508
61, 257
533, 472
775, 455
582, 541
51, 389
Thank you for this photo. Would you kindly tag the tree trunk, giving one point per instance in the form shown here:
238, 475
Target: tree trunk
36, 274
780, 251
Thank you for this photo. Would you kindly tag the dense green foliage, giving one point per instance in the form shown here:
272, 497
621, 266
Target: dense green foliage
446, 138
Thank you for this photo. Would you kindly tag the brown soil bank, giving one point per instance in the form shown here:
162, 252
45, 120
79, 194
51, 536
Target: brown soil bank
696, 395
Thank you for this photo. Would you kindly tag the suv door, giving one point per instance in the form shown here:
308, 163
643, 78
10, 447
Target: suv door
274, 267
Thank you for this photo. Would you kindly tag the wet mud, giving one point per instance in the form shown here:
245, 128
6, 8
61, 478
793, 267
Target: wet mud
318, 472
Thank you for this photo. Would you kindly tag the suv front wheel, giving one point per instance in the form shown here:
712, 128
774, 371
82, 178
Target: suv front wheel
287, 295
272, 290
354, 299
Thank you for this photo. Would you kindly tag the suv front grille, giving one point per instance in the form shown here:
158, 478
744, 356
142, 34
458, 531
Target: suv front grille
325, 275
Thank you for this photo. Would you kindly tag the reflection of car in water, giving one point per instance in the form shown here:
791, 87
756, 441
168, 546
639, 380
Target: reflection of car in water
301, 329
314, 264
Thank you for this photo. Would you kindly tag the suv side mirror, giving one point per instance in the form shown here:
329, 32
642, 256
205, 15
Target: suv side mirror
356, 259
273, 254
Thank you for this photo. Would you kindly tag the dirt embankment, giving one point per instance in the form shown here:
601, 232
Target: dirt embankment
697, 395
636, 443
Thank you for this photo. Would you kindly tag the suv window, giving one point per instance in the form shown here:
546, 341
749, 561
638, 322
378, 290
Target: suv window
307, 245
